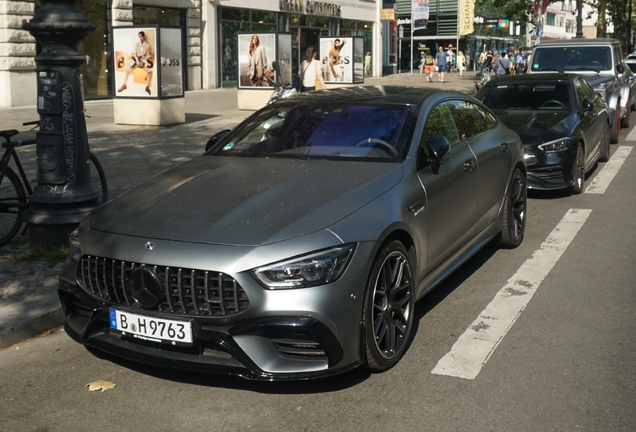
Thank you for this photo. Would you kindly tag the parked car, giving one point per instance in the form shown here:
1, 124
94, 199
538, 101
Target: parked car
600, 61
297, 246
563, 124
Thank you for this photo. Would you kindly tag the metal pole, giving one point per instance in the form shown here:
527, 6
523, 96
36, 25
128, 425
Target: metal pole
65, 194
579, 19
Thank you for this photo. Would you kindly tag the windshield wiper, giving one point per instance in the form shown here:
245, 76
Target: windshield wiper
585, 69
549, 69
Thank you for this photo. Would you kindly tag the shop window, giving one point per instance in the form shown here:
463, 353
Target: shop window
264, 17
229, 14
234, 21
158, 15
96, 75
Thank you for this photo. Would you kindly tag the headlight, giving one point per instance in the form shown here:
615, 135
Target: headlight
318, 268
530, 158
74, 248
556, 146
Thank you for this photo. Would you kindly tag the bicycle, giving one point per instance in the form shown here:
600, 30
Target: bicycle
14, 200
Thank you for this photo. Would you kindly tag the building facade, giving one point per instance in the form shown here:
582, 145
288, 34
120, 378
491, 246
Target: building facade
209, 31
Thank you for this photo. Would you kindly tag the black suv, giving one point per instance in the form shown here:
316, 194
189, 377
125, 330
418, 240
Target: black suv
600, 61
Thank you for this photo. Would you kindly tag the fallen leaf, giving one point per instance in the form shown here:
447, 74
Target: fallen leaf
100, 385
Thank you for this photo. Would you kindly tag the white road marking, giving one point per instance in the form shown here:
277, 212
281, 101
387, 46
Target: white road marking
473, 348
631, 136
604, 178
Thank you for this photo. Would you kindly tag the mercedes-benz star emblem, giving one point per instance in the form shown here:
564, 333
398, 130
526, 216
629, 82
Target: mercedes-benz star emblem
145, 287
150, 245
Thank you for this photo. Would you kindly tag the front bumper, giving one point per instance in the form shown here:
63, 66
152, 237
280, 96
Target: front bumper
295, 347
550, 171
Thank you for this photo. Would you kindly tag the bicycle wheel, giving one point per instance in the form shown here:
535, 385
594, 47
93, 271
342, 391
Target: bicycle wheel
98, 178
12, 204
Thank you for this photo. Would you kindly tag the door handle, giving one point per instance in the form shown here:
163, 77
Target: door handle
504, 147
469, 165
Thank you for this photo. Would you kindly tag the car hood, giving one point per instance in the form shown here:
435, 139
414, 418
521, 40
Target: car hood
245, 201
597, 79
536, 126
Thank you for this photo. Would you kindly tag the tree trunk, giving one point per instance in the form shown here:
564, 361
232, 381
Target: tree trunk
601, 30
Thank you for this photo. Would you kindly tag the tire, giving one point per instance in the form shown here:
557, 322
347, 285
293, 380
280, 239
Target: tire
578, 173
615, 131
389, 307
12, 204
625, 121
515, 212
605, 145
98, 178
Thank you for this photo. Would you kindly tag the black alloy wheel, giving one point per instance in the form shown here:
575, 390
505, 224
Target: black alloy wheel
389, 307
605, 145
578, 174
515, 211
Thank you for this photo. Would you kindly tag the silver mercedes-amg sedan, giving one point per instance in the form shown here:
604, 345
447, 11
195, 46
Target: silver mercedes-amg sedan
297, 245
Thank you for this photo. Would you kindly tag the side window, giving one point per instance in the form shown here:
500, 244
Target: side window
470, 122
618, 55
489, 120
440, 122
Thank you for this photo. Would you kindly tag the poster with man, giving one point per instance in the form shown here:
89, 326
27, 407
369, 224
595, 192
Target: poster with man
336, 56
135, 61
256, 51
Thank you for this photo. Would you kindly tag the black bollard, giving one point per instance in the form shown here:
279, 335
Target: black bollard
64, 195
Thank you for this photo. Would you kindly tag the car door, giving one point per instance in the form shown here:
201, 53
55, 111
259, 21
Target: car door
452, 194
492, 150
592, 122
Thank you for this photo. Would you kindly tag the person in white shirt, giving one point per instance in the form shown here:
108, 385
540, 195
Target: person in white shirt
310, 70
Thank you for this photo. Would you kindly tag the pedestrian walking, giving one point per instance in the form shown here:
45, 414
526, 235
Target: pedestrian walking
440, 64
461, 63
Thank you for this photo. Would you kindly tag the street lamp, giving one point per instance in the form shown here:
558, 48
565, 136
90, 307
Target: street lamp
64, 195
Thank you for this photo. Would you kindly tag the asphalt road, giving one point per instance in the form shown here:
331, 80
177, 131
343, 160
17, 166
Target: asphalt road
566, 361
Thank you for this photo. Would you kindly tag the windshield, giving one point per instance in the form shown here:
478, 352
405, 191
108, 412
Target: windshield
322, 130
552, 96
574, 58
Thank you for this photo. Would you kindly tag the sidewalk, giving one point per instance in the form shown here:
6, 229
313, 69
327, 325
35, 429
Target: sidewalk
29, 304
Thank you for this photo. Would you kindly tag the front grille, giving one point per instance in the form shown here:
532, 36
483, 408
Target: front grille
186, 291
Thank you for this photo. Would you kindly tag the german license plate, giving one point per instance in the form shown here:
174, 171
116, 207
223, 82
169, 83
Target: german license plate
151, 328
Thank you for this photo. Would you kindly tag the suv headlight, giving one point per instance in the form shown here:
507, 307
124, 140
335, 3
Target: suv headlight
555, 146
318, 268
74, 248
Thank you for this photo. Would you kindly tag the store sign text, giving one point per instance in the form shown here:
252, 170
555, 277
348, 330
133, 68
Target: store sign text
311, 7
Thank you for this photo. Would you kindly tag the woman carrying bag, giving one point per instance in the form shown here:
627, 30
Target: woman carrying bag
311, 75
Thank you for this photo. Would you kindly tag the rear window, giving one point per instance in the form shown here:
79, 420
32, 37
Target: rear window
553, 96
575, 58
322, 130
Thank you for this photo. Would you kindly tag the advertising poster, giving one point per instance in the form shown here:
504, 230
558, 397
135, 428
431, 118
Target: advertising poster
420, 14
171, 62
135, 62
336, 56
256, 51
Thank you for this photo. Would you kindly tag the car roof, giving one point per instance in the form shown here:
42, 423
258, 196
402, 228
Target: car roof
536, 77
581, 42
394, 95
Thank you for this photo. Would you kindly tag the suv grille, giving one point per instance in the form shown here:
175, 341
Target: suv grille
186, 291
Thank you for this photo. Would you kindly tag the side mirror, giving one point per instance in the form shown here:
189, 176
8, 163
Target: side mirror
620, 68
439, 149
215, 139
586, 105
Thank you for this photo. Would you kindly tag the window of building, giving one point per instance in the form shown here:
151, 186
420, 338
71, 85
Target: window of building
550, 19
